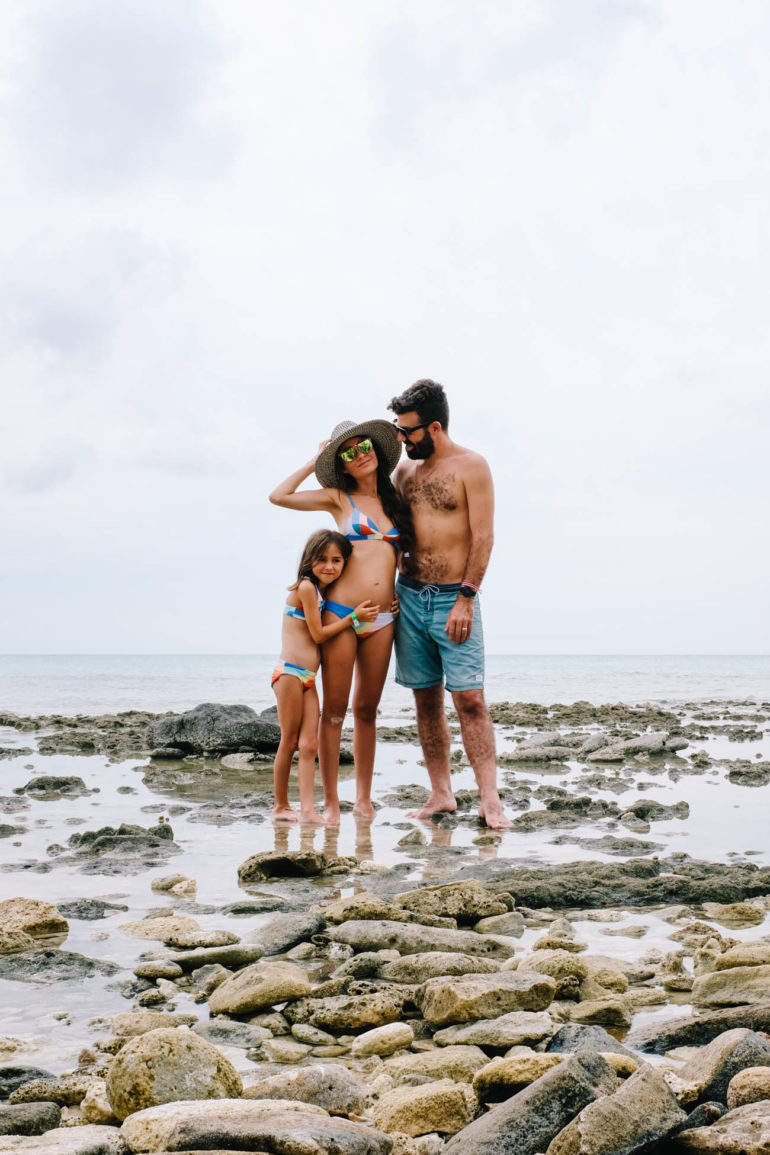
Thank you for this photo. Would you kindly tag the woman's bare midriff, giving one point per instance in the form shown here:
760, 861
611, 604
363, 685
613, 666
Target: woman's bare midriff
369, 575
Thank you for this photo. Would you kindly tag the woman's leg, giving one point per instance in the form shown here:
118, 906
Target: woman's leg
308, 748
372, 663
288, 694
337, 660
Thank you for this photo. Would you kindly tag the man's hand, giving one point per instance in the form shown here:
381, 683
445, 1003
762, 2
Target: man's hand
459, 624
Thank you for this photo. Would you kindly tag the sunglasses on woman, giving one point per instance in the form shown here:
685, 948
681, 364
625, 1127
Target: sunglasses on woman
364, 446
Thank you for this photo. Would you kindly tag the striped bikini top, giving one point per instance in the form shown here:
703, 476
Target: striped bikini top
359, 527
298, 612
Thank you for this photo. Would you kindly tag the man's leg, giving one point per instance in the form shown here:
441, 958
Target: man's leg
433, 732
479, 742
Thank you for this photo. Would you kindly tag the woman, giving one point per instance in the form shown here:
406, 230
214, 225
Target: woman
354, 468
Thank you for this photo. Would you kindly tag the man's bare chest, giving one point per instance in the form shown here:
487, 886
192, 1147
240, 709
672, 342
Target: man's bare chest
441, 492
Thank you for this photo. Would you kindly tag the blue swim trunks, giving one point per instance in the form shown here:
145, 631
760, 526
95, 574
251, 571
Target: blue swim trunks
424, 654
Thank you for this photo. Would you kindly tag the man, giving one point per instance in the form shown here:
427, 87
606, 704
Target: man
439, 636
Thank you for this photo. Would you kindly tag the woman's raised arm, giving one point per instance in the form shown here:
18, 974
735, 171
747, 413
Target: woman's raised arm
285, 493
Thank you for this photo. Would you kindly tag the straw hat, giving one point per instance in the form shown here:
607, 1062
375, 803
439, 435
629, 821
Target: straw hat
328, 467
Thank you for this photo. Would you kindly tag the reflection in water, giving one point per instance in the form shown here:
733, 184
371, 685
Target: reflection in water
323, 838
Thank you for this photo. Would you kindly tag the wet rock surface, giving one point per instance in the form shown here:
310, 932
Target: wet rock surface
454, 997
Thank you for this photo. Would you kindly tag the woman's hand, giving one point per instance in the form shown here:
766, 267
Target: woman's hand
367, 612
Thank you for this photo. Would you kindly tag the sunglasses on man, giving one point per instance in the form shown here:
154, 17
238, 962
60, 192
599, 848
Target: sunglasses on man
350, 454
405, 430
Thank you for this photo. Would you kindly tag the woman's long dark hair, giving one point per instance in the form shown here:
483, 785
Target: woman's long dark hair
314, 547
396, 510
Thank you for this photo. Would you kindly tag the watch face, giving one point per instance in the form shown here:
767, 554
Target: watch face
467, 592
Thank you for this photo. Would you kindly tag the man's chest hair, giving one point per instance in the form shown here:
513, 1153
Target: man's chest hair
437, 491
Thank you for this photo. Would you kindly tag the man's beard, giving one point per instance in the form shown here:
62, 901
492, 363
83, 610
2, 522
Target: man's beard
420, 450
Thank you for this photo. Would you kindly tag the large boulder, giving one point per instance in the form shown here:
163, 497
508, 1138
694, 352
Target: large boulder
744, 1131
281, 1127
382, 934
642, 1111
91, 1139
34, 917
527, 1122
470, 997
750, 1085
514, 1029
467, 901
331, 1086
417, 968
166, 1066
214, 729
259, 986
711, 1068
443, 1106
458, 1063
694, 1031
734, 987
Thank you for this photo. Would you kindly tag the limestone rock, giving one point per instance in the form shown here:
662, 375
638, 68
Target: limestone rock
444, 1106
33, 917
527, 1122
166, 1066
505, 1076
14, 941
417, 968
214, 729
509, 1030
330, 1086
282, 864
161, 928
743, 1131
383, 1040
131, 1023
458, 1063
90, 1139
735, 987
746, 954
467, 901
750, 1085
259, 986
661, 1037
711, 1068
640, 1112
67, 1091
352, 1012
28, 1118
364, 905
250, 1125
469, 997
406, 938
286, 930
613, 1012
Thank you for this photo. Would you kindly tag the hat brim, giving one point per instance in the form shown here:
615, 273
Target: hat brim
328, 467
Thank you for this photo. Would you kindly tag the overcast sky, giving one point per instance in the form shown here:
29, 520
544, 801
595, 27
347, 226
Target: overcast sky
225, 227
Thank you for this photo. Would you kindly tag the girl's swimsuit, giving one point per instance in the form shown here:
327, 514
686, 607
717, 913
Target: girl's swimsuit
306, 677
360, 527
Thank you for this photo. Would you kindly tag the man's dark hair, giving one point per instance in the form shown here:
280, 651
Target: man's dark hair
426, 398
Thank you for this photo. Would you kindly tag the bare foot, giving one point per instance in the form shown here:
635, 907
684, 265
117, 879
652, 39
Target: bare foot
332, 815
435, 805
494, 816
285, 814
364, 809
311, 818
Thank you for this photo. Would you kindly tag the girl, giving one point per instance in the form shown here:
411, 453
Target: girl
354, 468
293, 681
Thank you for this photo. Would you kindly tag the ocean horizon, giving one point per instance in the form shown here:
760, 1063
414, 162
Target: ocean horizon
110, 683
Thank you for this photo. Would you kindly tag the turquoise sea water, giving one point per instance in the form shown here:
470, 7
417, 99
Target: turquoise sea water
107, 683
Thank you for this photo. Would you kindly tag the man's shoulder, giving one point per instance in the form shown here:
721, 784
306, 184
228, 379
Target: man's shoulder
467, 461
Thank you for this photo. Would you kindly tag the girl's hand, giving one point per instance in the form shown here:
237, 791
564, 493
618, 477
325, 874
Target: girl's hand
367, 612
395, 607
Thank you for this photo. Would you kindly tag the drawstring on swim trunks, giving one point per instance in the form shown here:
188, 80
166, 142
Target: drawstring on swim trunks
427, 591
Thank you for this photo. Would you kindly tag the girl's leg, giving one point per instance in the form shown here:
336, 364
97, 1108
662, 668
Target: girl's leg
371, 671
308, 748
288, 695
337, 660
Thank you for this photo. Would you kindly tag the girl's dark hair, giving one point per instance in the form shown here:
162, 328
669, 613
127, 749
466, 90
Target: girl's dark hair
314, 547
397, 511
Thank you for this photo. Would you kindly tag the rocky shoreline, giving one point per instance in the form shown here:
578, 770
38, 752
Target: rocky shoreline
361, 1010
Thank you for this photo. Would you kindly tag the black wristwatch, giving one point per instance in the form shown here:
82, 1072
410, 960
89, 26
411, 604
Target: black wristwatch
467, 592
